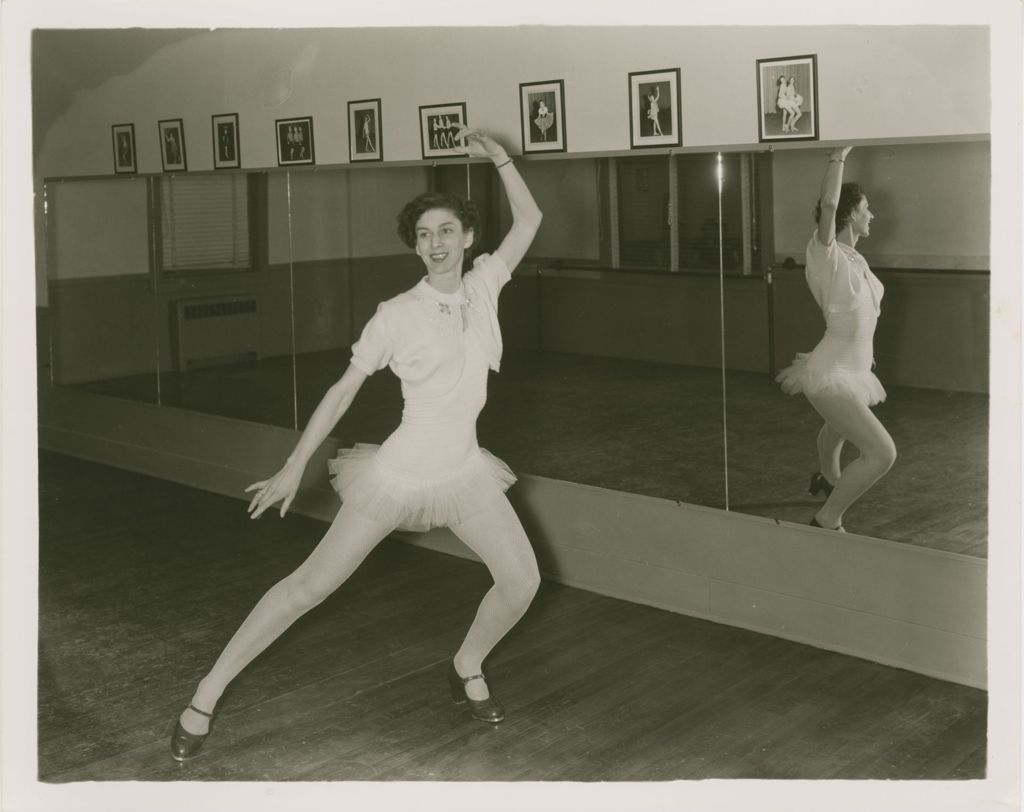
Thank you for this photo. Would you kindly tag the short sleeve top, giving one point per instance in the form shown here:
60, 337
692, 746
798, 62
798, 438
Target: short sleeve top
419, 332
839, 277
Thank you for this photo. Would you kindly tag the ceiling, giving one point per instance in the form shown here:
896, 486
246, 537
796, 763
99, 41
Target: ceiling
66, 61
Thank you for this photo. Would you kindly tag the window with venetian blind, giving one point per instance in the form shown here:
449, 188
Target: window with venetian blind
204, 223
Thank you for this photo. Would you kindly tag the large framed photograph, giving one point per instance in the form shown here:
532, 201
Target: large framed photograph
787, 98
172, 145
365, 139
124, 148
654, 118
439, 126
295, 141
226, 147
542, 112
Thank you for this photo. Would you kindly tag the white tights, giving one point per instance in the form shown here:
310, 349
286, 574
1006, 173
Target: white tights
495, 535
847, 419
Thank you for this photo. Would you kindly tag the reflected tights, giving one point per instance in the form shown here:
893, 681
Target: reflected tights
849, 420
495, 535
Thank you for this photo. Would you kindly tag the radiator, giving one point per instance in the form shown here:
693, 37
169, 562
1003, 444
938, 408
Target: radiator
217, 331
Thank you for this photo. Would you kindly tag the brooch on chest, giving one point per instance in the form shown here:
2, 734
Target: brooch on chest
446, 313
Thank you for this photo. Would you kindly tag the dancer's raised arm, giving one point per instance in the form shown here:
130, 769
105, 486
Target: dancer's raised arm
526, 215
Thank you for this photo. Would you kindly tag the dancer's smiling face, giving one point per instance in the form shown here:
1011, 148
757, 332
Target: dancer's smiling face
441, 240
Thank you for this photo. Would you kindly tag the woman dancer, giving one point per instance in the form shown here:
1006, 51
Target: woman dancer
782, 102
836, 376
440, 338
544, 119
653, 110
795, 101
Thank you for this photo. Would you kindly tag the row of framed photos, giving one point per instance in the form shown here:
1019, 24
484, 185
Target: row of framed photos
787, 103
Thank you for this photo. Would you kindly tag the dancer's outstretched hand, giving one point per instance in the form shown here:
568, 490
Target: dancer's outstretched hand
281, 487
478, 144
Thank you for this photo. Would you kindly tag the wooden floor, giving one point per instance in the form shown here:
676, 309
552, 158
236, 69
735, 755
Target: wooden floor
142, 581
654, 429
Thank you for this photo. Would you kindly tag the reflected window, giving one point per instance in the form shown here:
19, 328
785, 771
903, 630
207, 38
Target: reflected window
205, 223
643, 209
664, 212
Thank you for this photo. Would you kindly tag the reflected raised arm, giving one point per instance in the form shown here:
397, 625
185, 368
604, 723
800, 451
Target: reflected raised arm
526, 215
829, 198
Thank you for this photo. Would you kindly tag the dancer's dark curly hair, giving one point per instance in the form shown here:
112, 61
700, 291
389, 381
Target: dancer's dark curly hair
850, 196
465, 210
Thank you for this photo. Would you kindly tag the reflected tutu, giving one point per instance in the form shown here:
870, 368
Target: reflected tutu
803, 377
412, 503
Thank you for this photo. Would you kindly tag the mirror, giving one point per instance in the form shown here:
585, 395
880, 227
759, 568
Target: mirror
162, 290
103, 311
928, 245
611, 374
223, 274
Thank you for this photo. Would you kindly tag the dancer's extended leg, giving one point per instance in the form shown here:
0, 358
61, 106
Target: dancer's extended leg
348, 541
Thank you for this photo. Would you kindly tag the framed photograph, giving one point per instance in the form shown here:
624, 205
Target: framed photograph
295, 141
172, 145
787, 98
226, 148
438, 128
124, 148
365, 139
542, 112
654, 119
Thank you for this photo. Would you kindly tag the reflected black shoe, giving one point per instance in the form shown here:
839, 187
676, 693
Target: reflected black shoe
838, 528
819, 484
486, 710
185, 745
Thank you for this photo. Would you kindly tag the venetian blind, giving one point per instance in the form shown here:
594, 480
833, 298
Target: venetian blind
204, 222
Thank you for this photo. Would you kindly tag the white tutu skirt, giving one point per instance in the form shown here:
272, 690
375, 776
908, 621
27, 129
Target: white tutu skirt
805, 377
414, 502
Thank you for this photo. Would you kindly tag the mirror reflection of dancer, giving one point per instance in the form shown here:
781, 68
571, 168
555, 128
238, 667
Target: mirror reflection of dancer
836, 375
440, 338
653, 110
544, 119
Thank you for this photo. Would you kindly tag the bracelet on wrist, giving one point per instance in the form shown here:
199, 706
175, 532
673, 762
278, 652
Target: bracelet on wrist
503, 163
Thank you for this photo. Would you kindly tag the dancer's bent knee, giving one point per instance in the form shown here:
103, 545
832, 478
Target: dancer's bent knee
303, 593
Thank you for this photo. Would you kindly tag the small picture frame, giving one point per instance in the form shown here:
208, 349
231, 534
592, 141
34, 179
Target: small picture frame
172, 145
365, 138
439, 125
123, 136
295, 141
226, 147
542, 113
654, 117
787, 98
